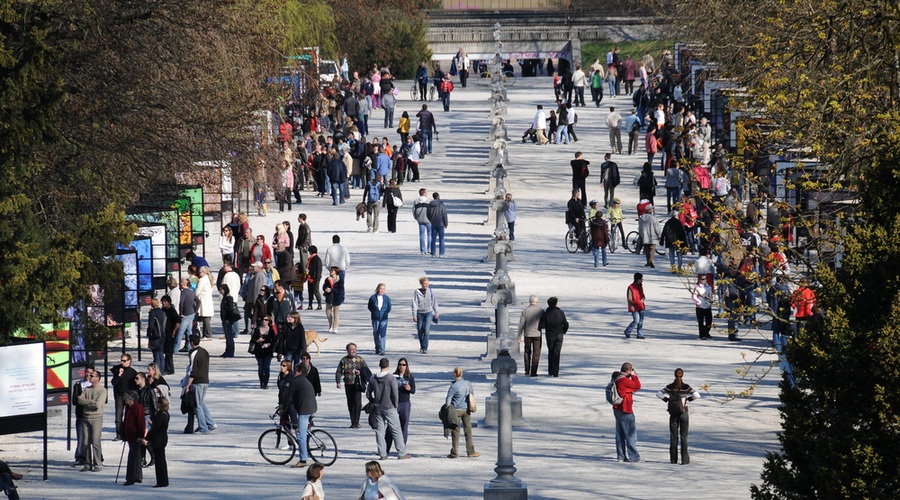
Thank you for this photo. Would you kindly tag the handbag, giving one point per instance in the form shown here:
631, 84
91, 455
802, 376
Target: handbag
252, 346
470, 401
188, 402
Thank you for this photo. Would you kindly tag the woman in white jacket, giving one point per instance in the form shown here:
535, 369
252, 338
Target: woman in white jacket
204, 295
378, 486
226, 245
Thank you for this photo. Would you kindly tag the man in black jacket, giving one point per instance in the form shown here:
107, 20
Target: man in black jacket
304, 240
122, 381
301, 400
554, 325
198, 380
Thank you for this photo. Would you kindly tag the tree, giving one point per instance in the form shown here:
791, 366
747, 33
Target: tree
389, 33
827, 75
104, 100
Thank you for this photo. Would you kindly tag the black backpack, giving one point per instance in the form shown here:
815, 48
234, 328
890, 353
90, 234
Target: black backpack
154, 333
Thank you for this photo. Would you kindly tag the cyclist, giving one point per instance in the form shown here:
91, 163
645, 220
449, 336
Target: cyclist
575, 215
615, 221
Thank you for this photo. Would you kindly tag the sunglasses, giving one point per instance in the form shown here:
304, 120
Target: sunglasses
266, 320
401, 364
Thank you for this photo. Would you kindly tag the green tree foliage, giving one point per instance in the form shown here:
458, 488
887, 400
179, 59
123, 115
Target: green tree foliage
827, 74
309, 23
100, 101
391, 32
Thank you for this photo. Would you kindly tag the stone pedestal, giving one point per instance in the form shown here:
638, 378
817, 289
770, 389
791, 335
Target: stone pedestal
492, 411
506, 491
491, 351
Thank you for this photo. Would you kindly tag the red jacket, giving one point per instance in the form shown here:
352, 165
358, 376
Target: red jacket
266, 252
637, 298
627, 387
133, 422
803, 301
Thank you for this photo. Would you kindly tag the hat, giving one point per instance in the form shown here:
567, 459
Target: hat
593, 202
616, 201
256, 264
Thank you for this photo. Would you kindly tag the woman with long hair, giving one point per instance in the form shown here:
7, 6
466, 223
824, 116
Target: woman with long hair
264, 340
406, 384
226, 245
378, 486
156, 380
157, 438
677, 394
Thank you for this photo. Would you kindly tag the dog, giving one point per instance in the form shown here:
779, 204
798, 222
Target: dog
312, 337
360, 210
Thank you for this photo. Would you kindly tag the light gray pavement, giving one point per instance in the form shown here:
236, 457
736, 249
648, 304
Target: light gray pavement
567, 449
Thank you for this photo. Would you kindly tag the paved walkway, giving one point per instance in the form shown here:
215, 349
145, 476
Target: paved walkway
567, 450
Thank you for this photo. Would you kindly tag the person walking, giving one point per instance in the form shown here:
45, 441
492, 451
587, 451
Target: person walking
262, 343
554, 325
156, 332
529, 329
539, 125
674, 239
78, 389
615, 134
458, 400
157, 439
231, 318
610, 178
420, 213
393, 200
198, 380
677, 394
301, 401
648, 227
446, 86
406, 385
635, 297
334, 297
701, 297
380, 307
378, 486
599, 238
352, 373
313, 489
383, 392
373, 193
313, 276
437, 216
627, 383
510, 215
579, 81
580, 173
424, 312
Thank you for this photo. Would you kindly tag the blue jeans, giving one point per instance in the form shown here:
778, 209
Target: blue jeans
563, 130
446, 100
264, 369
389, 419
673, 196
637, 320
159, 357
672, 253
379, 333
186, 323
691, 240
512, 230
336, 195
597, 253
302, 431
426, 141
626, 437
424, 237
232, 330
204, 419
437, 237
423, 328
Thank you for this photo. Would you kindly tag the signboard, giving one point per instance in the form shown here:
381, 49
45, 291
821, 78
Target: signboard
165, 216
22, 387
129, 260
157, 235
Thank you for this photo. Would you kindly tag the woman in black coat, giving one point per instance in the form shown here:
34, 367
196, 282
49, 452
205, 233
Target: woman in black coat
264, 339
157, 438
647, 183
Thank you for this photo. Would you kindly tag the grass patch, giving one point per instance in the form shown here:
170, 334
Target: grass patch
636, 49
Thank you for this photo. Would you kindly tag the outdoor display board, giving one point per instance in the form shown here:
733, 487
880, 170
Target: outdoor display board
165, 216
22, 379
143, 247
157, 235
129, 260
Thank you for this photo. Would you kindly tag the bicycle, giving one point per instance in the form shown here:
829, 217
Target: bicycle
414, 92
507, 77
279, 445
634, 243
574, 243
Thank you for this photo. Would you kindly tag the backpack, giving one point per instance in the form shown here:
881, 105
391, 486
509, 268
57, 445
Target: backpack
636, 126
154, 333
612, 392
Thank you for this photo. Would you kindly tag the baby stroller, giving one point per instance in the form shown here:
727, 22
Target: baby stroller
530, 134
